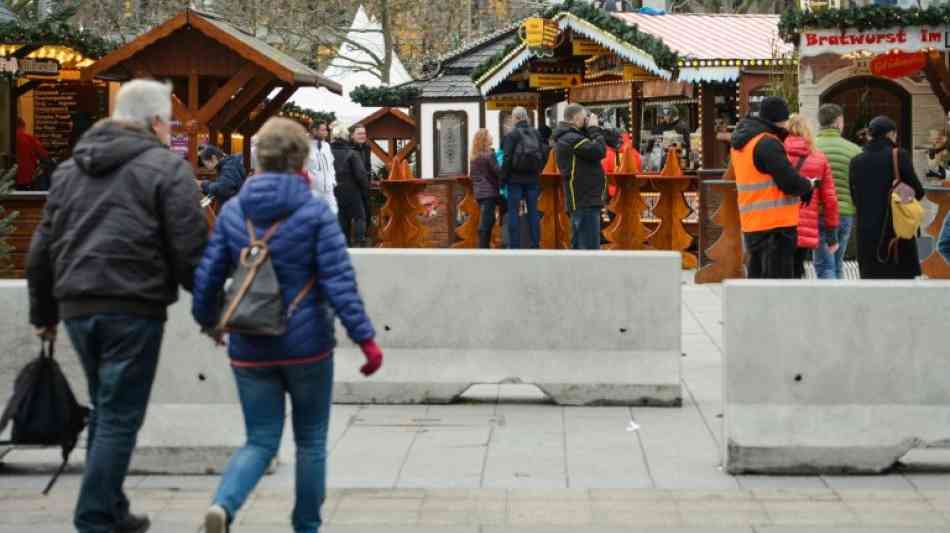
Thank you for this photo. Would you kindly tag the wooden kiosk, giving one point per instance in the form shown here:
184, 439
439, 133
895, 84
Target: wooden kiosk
222, 81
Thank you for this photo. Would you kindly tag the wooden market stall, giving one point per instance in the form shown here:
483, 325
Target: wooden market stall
226, 84
894, 63
42, 87
225, 81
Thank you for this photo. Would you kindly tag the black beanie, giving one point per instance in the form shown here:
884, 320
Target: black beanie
881, 126
773, 109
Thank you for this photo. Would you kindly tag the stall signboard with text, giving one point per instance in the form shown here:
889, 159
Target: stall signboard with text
852, 40
549, 81
898, 65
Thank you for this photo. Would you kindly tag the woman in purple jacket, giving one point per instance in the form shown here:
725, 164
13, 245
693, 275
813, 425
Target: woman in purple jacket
486, 182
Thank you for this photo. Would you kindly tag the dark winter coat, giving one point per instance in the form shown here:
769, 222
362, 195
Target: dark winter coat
231, 176
351, 173
579, 156
769, 156
486, 176
366, 155
122, 229
871, 175
308, 243
508, 145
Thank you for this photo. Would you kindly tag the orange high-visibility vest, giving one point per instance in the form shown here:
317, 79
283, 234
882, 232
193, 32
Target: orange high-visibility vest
762, 205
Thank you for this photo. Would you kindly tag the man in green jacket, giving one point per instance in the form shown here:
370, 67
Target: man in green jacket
839, 151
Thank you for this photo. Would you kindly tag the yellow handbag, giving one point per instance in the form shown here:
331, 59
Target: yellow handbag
906, 212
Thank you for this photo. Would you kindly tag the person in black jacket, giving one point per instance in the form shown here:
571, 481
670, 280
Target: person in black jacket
580, 147
361, 145
121, 231
871, 179
352, 186
231, 173
524, 152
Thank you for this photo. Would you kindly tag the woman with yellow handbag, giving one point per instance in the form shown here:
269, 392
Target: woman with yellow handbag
888, 214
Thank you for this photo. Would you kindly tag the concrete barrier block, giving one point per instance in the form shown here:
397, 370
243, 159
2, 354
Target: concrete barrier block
826, 377
588, 328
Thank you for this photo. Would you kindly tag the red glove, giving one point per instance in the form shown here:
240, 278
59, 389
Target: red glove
374, 357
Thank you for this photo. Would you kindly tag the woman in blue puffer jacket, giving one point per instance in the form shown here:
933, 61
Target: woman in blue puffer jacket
308, 244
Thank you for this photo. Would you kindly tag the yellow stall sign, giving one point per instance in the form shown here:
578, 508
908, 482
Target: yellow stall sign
586, 47
554, 81
509, 102
540, 33
635, 73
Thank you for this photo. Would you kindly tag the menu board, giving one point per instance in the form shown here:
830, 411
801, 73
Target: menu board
63, 111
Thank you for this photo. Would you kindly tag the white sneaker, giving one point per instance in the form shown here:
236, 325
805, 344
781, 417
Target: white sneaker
216, 520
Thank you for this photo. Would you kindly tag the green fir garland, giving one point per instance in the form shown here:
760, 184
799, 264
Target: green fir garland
384, 96
307, 116
55, 30
872, 17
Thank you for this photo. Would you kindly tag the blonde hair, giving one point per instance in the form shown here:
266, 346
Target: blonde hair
282, 146
482, 144
799, 127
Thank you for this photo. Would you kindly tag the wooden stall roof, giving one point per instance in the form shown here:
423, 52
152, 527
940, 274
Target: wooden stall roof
285, 68
389, 123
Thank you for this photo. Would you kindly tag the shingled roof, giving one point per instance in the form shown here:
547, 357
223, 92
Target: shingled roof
453, 75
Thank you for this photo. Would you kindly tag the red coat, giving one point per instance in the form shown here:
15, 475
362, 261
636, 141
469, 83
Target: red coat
815, 166
28, 153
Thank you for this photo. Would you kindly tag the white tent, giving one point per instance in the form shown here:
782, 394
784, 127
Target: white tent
345, 70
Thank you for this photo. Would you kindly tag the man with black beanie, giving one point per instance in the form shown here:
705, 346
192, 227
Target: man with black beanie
770, 191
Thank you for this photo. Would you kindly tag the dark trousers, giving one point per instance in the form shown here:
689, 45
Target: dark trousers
486, 221
585, 228
529, 193
119, 354
772, 253
352, 216
801, 255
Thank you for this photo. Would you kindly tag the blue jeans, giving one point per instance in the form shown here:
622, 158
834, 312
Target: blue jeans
262, 392
943, 245
828, 265
585, 228
119, 354
528, 192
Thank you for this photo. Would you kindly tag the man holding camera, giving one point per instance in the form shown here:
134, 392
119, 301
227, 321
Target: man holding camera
580, 147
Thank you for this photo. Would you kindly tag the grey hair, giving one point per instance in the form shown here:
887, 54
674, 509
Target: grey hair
519, 114
282, 146
340, 130
571, 112
142, 101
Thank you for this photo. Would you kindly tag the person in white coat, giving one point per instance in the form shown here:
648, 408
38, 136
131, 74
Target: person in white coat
319, 166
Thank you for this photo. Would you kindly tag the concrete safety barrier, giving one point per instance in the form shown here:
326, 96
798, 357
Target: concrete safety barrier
834, 377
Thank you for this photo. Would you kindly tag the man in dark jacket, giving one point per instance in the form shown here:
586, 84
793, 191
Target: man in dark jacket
231, 174
352, 187
122, 230
770, 191
580, 146
524, 152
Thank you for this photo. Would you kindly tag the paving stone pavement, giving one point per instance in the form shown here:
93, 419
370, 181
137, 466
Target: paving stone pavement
511, 463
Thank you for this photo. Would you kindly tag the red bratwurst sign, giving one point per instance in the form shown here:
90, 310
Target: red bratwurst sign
849, 41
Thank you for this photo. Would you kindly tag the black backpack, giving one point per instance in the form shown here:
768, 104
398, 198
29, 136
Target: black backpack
527, 152
44, 409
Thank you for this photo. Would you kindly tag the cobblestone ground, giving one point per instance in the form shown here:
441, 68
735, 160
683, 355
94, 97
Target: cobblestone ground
177, 504
501, 467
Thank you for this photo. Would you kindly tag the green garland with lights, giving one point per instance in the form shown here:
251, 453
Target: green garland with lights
384, 96
873, 17
306, 116
662, 54
56, 30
